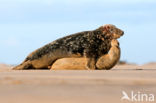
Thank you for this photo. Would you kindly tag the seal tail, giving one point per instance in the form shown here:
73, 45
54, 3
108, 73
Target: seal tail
23, 66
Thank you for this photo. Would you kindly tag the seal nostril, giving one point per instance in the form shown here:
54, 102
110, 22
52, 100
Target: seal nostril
122, 32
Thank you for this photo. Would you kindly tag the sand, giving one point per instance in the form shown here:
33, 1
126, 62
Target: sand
79, 86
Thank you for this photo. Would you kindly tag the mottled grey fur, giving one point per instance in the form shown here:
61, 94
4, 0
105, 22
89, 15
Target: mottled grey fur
89, 44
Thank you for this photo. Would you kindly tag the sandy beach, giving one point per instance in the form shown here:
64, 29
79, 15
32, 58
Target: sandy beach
79, 86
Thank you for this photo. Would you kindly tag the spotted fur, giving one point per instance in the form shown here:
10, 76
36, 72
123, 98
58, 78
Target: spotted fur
105, 62
89, 44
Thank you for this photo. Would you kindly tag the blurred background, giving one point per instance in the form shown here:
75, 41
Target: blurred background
26, 25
